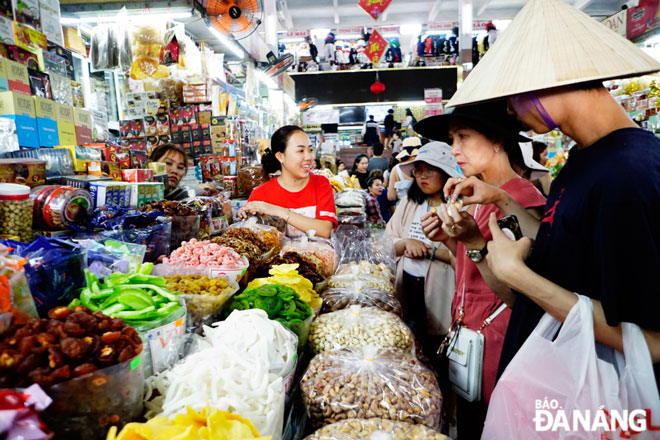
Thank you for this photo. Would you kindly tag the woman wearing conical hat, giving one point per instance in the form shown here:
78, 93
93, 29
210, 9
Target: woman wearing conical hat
600, 233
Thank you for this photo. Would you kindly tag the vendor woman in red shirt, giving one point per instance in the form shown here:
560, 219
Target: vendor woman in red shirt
304, 200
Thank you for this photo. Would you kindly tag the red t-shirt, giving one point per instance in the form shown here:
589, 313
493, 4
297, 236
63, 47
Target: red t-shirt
480, 301
315, 200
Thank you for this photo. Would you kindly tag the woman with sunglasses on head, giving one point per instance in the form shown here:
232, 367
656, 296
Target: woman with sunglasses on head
485, 142
305, 201
424, 277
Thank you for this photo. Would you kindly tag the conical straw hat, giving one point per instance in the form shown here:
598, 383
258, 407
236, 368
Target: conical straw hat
549, 44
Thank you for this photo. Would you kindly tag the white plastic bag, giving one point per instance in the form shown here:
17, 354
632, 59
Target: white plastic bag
569, 388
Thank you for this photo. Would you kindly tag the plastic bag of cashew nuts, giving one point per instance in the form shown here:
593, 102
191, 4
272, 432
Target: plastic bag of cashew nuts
372, 429
357, 326
368, 382
341, 298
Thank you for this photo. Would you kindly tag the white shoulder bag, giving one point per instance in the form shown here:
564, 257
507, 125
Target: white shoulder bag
464, 348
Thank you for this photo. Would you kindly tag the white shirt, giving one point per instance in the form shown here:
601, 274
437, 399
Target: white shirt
417, 267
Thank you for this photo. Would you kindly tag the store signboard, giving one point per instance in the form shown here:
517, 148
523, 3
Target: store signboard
643, 18
618, 22
388, 29
433, 100
347, 31
446, 26
480, 25
374, 7
295, 34
321, 115
376, 47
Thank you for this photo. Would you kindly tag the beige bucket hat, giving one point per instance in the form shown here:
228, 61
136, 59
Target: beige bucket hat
550, 44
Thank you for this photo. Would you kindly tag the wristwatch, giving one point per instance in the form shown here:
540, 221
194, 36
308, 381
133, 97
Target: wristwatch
477, 255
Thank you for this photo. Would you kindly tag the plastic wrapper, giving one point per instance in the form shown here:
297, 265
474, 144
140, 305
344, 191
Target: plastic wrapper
287, 275
230, 273
249, 178
109, 256
18, 289
59, 207
60, 86
359, 281
85, 407
204, 296
358, 220
382, 249
373, 429
30, 172
269, 235
8, 136
367, 382
351, 198
219, 378
183, 229
163, 340
54, 271
365, 267
342, 298
149, 229
58, 161
319, 250
19, 419
357, 326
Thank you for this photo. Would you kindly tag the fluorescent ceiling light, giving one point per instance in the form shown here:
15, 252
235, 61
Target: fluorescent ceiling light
227, 42
292, 40
139, 14
391, 35
348, 37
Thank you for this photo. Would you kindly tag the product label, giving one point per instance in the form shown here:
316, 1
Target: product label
165, 343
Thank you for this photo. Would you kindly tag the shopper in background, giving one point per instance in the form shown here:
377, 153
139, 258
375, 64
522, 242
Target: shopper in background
540, 152
360, 169
485, 142
377, 161
340, 166
425, 280
532, 170
304, 200
374, 190
388, 124
410, 122
385, 204
176, 160
399, 181
371, 132
396, 142
605, 199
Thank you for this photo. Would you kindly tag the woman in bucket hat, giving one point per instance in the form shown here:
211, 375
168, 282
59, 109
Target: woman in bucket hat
400, 182
485, 143
603, 202
424, 276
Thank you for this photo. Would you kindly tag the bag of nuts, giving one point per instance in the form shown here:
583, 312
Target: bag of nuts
357, 281
341, 298
368, 429
367, 382
358, 326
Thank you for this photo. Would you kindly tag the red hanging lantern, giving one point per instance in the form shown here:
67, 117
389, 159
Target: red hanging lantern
377, 88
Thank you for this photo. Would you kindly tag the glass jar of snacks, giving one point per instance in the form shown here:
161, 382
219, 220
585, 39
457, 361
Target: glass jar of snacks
15, 212
231, 185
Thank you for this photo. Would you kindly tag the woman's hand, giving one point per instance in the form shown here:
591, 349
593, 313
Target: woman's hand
432, 227
506, 257
461, 226
252, 208
473, 191
416, 249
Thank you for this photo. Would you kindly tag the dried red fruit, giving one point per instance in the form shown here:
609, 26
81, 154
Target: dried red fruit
110, 337
55, 357
107, 354
126, 354
73, 328
29, 363
83, 369
74, 348
26, 344
64, 372
46, 339
116, 324
59, 312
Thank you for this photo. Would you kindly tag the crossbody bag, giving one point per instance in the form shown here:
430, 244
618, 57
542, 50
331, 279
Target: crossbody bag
464, 349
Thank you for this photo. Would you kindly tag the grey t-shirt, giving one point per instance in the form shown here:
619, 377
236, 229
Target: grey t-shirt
377, 163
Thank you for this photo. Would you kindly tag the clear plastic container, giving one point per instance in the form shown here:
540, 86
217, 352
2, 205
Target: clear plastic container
15, 212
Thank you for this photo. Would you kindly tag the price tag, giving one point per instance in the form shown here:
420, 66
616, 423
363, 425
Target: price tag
166, 343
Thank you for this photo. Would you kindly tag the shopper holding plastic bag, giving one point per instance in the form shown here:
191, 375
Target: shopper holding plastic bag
572, 387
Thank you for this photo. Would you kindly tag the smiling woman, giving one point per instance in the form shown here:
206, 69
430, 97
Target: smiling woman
177, 166
304, 200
